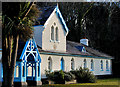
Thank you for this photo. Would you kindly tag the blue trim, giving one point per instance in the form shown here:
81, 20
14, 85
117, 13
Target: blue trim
21, 57
37, 25
61, 18
75, 55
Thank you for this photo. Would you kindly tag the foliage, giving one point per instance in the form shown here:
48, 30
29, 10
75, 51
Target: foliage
63, 76
17, 21
98, 21
83, 75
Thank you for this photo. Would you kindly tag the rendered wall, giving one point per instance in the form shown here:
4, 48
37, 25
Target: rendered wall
47, 44
78, 62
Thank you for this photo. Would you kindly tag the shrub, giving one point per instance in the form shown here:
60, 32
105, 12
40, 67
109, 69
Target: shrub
83, 75
68, 76
60, 76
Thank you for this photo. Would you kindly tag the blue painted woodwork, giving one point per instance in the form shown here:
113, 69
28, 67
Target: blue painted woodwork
62, 64
29, 58
61, 18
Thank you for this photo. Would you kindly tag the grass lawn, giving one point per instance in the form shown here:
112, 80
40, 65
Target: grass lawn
113, 82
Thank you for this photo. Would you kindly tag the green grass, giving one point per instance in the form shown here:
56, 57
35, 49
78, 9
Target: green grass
113, 82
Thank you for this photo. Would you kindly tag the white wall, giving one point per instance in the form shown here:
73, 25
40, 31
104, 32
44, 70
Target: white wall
47, 44
78, 63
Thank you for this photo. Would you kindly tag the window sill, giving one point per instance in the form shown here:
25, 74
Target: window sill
54, 41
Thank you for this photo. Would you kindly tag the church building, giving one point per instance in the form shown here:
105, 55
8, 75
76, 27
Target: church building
49, 50
59, 54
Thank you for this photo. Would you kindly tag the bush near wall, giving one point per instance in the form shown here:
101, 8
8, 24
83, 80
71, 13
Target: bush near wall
83, 75
59, 77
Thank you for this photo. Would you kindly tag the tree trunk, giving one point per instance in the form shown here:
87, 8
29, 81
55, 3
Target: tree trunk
13, 60
9, 60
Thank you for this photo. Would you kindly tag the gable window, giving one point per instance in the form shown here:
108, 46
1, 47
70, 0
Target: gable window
101, 64
92, 65
49, 63
107, 66
72, 64
52, 33
56, 34
62, 64
85, 63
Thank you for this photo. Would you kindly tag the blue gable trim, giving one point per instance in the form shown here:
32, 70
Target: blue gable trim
30, 44
75, 55
37, 25
61, 18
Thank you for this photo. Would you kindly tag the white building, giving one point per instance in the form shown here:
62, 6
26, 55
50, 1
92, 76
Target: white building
56, 53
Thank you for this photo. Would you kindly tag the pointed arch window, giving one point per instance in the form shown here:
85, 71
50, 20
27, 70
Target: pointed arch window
52, 33
72, 64
49, 63
85, 63
101, 63
56, 34
92, 65
62, 64
107, 65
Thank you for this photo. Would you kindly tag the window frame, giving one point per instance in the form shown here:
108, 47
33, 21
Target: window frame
92, 65
101, 65
50, 63
52, 33
72, 64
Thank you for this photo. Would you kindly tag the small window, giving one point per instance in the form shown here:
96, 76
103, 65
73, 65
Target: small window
52, 33
62, 64
101, 65
85, 63
72, 64
107, 66
17, 71
92, 65
49, 63
56, 33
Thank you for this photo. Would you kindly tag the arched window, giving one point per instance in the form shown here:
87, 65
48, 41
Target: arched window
85, 63
72, 64
56, 33
52, 33
92, 65
62, 64
101, 64
107, 66
49, 63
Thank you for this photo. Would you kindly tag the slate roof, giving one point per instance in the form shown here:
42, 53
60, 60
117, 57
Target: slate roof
71, 49
21, 45
45, 12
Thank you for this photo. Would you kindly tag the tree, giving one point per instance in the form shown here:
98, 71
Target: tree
17, 21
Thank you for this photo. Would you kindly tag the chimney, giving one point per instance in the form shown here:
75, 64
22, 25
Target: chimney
84, 41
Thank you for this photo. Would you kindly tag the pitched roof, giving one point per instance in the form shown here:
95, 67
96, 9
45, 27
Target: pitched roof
21, 45
45, 14
72, 50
